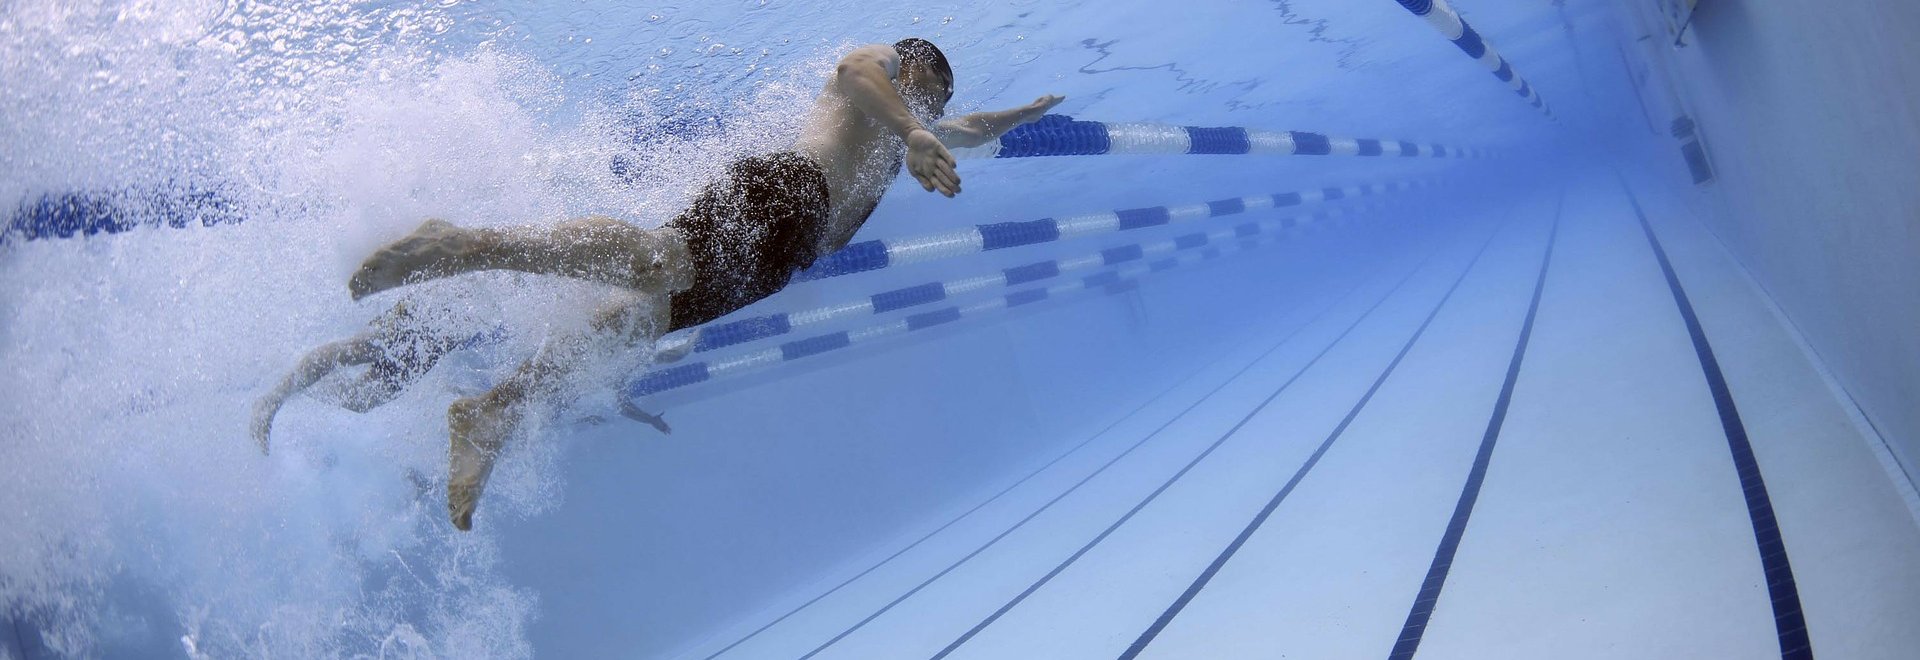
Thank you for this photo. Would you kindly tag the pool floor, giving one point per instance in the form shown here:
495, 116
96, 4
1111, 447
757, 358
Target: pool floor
1295, 498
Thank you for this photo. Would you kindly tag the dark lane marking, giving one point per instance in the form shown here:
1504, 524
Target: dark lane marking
1177, 475
956, 519
1140, 644
1788, 619
1007, 490
1429, 595
1116, 459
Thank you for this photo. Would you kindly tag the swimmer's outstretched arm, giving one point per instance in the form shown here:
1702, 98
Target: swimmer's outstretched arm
865, 76
978, 128
315, 366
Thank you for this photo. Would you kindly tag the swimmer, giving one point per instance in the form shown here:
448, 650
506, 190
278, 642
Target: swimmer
739, 241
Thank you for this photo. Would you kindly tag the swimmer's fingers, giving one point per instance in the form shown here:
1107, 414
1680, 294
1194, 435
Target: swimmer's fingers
937, 176
931, 163
948, 178
946, 171
1039, 107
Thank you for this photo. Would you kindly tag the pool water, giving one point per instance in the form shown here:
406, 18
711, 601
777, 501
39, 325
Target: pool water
1575, 384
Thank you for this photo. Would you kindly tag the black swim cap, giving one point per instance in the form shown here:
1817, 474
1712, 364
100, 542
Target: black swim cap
920, 50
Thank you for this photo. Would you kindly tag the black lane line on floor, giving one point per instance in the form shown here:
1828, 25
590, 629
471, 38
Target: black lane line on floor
1103, 467
1146, 637
1135, 410
1423, 603
957, 643
996, 497
1788, 619
1036, 472
976, 507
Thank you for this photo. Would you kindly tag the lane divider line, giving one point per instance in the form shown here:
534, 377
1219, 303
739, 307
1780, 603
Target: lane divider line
721, 335
1061, 135
887, 253
1097, 471
1789, 620
1421, 613
1239, 239
1146, 637
1443, 19
1150, 497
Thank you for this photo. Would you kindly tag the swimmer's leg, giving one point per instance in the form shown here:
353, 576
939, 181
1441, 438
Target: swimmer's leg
314, 366
596, 248
478, 426
396, 369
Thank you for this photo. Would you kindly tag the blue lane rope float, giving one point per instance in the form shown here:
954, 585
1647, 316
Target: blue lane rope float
86, 213
65, 215
1221, 242
886, 253
1447, 22
1061, 135
721, 335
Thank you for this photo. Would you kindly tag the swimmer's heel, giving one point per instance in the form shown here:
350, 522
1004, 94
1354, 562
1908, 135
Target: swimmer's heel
477, 430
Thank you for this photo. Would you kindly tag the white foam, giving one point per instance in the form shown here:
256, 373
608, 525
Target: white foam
133, 359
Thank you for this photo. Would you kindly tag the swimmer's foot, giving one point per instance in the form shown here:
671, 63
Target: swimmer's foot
431, 251
668, 351
262, 427
478, 428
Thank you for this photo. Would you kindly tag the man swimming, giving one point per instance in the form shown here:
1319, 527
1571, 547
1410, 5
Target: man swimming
739, 241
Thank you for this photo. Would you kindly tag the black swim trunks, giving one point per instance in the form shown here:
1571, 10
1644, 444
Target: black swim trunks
406, 345
749, 233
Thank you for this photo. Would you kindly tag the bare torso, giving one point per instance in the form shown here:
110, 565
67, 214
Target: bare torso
861, 159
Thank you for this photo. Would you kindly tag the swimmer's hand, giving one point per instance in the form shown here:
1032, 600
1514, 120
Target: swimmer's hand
634, 413
977, 128
1032, 112
930, 163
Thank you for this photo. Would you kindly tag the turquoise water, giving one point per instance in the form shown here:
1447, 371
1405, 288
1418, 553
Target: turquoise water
138, 520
